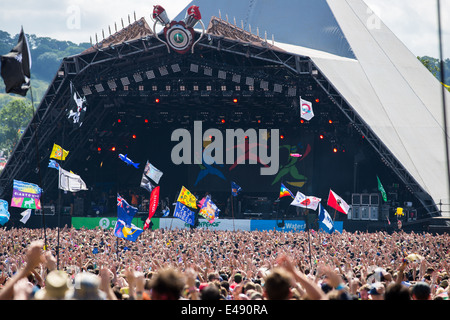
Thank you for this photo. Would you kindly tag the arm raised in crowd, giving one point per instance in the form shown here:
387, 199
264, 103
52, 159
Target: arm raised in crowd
32, 259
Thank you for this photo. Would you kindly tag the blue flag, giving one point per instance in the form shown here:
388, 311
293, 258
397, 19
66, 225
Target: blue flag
53, 164
184, 213
125, 212
4, 213
325, 220
127, 232
235, 189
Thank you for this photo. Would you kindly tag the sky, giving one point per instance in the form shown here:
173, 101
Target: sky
414, 22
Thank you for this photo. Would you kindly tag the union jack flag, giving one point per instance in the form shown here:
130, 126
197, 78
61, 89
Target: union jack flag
119, 201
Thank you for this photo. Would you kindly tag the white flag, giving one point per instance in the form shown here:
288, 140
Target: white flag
306, 110
308, 202
325, 218
25, 216
152, 172
70, 181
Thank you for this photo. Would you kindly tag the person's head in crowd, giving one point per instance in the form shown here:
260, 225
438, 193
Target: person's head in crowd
397, 292
421, 291
277, 285
210, 292
166, 284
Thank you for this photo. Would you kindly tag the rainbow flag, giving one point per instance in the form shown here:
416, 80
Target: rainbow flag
284, 192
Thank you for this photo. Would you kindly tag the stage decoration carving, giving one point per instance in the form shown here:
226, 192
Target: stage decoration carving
179, 35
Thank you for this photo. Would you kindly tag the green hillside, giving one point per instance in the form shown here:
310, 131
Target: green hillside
46, 54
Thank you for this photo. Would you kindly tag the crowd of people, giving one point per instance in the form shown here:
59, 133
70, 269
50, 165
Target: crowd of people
198, 264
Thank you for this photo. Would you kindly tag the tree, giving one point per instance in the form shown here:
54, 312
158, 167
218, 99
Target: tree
16, 115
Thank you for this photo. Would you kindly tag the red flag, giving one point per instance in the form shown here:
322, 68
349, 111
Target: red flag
337, 202
154, 199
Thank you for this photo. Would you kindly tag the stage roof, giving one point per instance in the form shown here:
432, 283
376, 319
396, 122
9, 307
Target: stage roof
385, 84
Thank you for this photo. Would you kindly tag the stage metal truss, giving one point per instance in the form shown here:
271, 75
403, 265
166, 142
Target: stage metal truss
85, 70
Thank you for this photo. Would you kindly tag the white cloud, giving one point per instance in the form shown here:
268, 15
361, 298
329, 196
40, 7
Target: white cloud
415, 23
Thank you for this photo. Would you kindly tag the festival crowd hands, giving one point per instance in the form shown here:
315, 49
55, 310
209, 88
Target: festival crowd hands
202, 264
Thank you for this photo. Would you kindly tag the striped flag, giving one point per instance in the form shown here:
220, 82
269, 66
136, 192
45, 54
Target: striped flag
284, 192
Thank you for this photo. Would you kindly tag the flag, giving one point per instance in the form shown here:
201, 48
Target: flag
125, 212
58, 153
187, 198
146, 183
53, 164
77, 108
26, 195
306, 111
69, 181
25, 216
152, 172
4, 213
165, 211
284, 192
184, 213
326, 220
16, 67
337, 202
235, 189
209, 210
381, 189
154, 200
308, 202
126, 231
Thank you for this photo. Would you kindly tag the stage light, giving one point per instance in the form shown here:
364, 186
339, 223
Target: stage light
113, 149
137, 77
99, 88
259, 121
175, 67
133, 136
86, 91
321, 137
222, 74
317, 100
335, 150
302, 121
150, 74
112, 85
292, 92
163, 70
207, 71
281, 136
236, 78
119, 120
277, 88
330, 121
235, 100
264, 85
125, 81
223, 120
146, 120
99, 149
194, 68
157, 100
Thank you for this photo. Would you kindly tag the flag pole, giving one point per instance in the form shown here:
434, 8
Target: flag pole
232, 209
39, 166
59, 195
309, 237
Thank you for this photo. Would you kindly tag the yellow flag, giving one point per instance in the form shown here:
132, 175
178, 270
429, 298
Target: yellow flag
187, 198
58, 153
